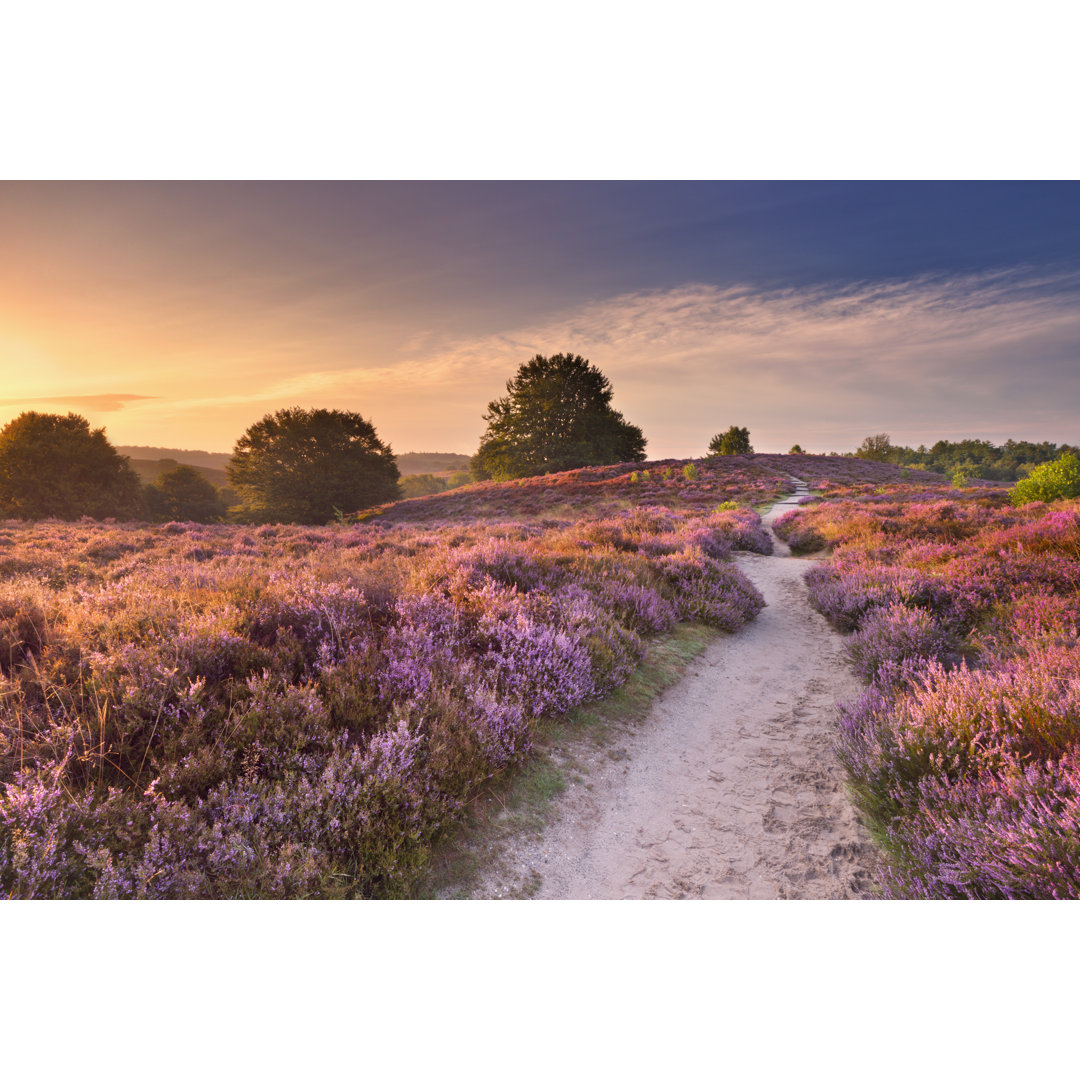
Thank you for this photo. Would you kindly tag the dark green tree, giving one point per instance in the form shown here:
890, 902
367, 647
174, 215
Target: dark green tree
55, 466
556, 415
183, 494
307, 466
876, 448
736, 440
422, 484
796, 449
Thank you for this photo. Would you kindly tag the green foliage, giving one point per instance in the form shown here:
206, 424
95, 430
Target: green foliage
412, 464
418, 484
796, 449
736, 440
148, 471
876, 448
556, 415
183, 494
55, 466
964, 473
302, 466
1010, 461
690, 471
634, 478
414, 486
478, 469
1055, 480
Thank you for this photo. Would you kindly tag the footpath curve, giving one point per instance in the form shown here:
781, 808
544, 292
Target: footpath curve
729, 790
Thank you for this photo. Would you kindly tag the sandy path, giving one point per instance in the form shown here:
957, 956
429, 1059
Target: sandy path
729, 789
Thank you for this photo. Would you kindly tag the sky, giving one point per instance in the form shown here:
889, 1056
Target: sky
178, 313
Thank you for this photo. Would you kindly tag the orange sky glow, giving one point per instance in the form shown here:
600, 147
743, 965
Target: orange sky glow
177, 315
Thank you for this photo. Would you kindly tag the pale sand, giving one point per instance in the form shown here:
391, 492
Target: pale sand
730, 789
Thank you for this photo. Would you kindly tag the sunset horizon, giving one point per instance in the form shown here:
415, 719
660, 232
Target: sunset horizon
178, 314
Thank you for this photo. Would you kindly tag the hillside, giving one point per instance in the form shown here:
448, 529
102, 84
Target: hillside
149, 470
220, 711
412, 464
749, 479
202, 459
212, 711
409, 464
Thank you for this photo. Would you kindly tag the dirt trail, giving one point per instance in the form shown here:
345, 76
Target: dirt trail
729, 790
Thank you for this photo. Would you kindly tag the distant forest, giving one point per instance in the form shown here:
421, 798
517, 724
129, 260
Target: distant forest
975, 457
210, 463
201, 459
970, 458
421, 474
411, 464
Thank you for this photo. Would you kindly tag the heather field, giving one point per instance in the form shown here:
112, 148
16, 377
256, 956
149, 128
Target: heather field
287, 711
682, 485
283, 711
962, 752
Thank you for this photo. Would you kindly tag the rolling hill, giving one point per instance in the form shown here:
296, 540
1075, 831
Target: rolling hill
212, 464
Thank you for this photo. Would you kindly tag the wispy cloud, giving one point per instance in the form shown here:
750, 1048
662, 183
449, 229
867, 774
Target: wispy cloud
988, 355
91, 402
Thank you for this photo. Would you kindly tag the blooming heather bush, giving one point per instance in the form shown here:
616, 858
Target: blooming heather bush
844, 593
802, 540
1009, 836
743, 530
889, 636
714, 593
285, 711
962, 753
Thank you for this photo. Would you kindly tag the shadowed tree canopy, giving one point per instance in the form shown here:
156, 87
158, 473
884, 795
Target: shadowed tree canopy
556, 415
55, 466
305, 466
736, 440
876, 448
183, 494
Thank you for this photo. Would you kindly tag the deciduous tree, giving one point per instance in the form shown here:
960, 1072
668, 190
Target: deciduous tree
55, 466
876, 448
556, 415
183, 494
307, 466
736, 440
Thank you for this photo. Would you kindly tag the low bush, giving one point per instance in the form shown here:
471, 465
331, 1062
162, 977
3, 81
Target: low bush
802, 539
1046, 483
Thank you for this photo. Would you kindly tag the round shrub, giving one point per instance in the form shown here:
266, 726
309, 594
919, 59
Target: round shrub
1055, 480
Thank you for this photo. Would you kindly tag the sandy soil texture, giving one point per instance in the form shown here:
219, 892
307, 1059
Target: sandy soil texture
730, 790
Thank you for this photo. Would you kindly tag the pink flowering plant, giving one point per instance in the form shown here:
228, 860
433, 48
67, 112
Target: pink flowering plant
224, 711
962, 751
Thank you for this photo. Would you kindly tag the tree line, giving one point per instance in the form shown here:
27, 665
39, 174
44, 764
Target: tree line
312, 466
967, 459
